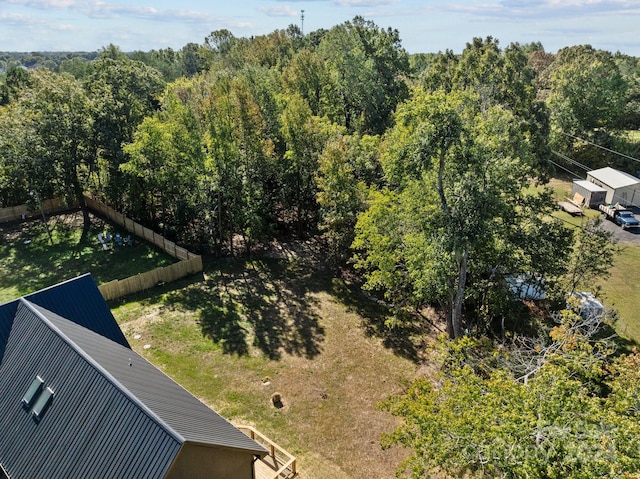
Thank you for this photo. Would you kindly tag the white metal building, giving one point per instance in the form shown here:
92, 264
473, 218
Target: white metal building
621, 187
593, 195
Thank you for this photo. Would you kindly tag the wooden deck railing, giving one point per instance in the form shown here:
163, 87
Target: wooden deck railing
281, 464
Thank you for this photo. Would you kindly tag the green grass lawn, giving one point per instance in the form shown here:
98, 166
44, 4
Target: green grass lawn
247, 329
620, 291
29, 262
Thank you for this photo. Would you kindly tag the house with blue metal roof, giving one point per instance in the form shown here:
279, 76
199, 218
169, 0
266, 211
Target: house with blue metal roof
77, 402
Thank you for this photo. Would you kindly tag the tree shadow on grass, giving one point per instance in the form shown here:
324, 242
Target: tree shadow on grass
266, 304
401, 332
30, 262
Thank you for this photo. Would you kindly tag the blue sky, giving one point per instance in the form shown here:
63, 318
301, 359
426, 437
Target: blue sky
424, 26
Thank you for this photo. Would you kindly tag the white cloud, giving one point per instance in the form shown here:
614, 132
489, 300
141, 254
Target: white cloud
283, 11
364, 3
44, 4
15, 19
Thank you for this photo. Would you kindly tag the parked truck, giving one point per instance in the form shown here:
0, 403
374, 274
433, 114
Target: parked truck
620, 216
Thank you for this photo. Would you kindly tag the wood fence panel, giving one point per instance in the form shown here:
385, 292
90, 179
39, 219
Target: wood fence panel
13, 213
189, 263
143, 281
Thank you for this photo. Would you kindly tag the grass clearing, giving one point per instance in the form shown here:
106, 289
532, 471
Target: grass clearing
30, 262
248, 329
620, 291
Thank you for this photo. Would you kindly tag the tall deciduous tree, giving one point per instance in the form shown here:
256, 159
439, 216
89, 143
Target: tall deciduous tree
308, 77
304, 136
16, 165
62, 120
14, 80
51, 140
167, 159
348, 167
367, 67
124, 92
498, 77
588, 93
470, 165
239, 160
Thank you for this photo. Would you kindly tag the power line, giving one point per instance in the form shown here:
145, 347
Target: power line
575, 175
601, 147
572, 161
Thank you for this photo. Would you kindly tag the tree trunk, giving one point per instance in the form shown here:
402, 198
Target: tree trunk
457, 288
443, 198
459, 300
79, 194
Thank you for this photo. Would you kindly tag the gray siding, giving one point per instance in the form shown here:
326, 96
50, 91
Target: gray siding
199, 462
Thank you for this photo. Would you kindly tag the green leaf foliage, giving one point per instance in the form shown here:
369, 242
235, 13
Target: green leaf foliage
559, 423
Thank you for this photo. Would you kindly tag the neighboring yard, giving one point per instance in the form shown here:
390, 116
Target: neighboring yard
29, 262
621, 290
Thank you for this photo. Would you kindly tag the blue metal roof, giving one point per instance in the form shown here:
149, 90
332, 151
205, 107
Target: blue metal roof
91, 428
78, 300
113, 414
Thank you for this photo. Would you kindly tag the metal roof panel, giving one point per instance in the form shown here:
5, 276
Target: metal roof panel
90, 423
185, 415
614, 178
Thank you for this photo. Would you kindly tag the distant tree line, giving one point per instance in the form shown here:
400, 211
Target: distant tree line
425, 173
410, 165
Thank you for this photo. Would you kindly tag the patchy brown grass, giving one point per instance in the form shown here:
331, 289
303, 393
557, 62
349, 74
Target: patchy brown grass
249, 329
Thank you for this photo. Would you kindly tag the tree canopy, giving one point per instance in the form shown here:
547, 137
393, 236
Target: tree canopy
422, 175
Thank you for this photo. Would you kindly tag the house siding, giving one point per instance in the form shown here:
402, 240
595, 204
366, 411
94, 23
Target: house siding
201, 462
620, 187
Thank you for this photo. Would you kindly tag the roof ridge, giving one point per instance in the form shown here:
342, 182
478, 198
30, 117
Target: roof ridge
95, 364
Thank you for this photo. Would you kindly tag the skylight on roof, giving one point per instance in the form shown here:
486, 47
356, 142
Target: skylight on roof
32, 393
42, 404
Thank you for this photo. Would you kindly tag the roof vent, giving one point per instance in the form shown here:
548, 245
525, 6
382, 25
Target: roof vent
32, 393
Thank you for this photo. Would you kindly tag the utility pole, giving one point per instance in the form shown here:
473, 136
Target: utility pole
302, 22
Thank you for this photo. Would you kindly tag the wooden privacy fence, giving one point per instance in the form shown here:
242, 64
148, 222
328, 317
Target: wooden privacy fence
19, 212
190, 263
140, 231
133, 284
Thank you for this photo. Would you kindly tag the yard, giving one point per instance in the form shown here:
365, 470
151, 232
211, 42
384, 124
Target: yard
30, 262
241, 332
246, 329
